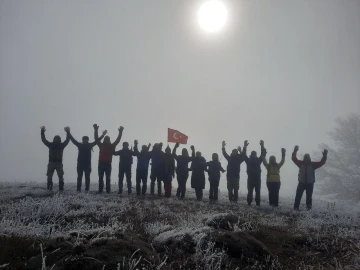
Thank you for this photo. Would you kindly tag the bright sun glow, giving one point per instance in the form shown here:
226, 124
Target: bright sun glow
212, 16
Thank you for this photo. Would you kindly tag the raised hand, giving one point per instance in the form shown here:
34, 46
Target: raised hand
121, 128
177, 145
67, 129
192, 148
325, 152
223, 144
239, 149
136, 142
283, 151
261, 142
296, 148
104, 132
246, 143
43, 128
96, 127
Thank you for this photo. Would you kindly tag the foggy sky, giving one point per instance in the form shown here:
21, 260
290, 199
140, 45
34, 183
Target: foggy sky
281, 71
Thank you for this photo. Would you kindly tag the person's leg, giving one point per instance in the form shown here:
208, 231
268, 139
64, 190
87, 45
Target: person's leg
178, 191
108, 178
216, 189
138, 181
309, 193
269, 186
49, 174
128, 181
121, 180
257, 191
159, 184
299, 192
183, 186
230, 189
87, 178
152, 183
236, 188
144, 182
211, 191
80, 171
60, 172
101, 171
276, 194
250, 186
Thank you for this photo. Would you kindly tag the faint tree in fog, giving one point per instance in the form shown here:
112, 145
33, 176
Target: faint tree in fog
341, 173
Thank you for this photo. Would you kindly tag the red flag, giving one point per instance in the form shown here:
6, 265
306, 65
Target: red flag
176, 136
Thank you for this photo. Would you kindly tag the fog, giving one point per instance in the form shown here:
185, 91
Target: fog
281, 71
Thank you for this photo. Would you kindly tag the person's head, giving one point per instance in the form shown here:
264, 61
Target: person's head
198, 154
307, 159
57, 139
107, 140
85, 139
156, 146
234, 152
272, 160
144, 149
125, 145
185, 152
160, 146
215, 157
167, 150
253, 154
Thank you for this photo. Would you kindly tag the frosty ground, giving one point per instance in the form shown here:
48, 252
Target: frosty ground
43, 230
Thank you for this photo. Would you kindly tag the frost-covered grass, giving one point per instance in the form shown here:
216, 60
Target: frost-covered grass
29, 210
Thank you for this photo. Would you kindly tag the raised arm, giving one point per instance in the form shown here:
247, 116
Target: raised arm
222, 169
74, 141
294, 157
317, 165
263, 151
266, 164
43, 138
118, 137
67, 140
283, 151
192, 151
97, 139
136, 150
224, 151
174, 151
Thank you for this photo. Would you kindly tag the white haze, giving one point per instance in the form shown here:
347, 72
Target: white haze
282, 71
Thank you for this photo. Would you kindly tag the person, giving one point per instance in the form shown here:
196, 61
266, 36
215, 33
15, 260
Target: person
56, 149
182, 170
273, 177
84, 159
233, 169
156, 156
254, 174
198, 166
125, 164
214, 168
105, 158
167, 170
306, 176
142, 167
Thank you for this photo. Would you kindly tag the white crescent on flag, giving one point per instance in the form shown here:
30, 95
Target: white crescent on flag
175, 136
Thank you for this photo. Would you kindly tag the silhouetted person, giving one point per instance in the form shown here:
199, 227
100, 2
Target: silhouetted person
198, 167
306, 177
167, 170
233, 170
84, 159
214, 169
273, 177
125, 163
142, 167
182, 170
156, 157
105, 158
56, 149
254, 174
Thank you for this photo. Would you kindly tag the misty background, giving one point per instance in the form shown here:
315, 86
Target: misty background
281, 71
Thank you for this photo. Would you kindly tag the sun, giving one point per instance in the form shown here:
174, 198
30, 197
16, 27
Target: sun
212, 16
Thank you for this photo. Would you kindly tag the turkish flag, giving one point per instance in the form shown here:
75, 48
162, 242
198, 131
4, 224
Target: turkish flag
176, 136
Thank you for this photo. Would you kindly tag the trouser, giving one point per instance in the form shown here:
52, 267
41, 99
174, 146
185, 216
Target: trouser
141, 176
214, 188
274, 188
233, 188
181, 190
104, 168
309, 188
253, 183
127, 173
199, 193
51, 168
167, 188
154, 176
83, 169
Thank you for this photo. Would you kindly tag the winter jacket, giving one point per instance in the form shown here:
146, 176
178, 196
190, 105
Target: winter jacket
307, 171
167, 166
273, 171
126, 159
234, 162
143, 159
55, 149
106, 149
84, 155
198, 167
182, 167
156, 157
214, 169
254, 165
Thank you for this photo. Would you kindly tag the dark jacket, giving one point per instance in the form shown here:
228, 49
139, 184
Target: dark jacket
143, 159
156, 157
182, 167
126, 158
254, 165
198, 167
234, 162
307, 171
214, 169
106, 149
167, 167
84, 155
55, 149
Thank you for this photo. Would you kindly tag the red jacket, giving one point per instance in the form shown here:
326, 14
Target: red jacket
314, 165
106, 150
